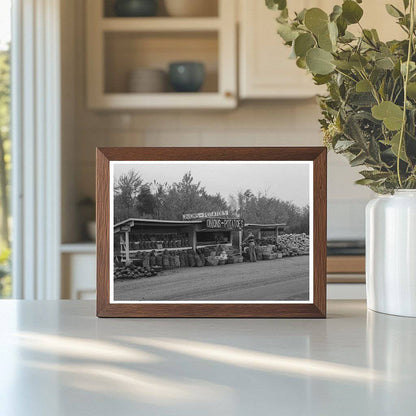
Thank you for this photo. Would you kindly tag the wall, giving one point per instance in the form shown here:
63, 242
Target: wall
264, 123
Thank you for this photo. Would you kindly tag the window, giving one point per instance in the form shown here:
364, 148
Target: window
5, 145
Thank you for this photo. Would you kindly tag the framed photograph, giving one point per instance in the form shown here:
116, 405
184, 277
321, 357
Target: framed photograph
211, 232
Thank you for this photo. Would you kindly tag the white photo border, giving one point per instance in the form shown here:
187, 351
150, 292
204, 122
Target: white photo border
194, 162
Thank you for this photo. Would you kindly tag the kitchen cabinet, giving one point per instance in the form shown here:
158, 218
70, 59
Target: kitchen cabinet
78, 271
118, 45
265, 70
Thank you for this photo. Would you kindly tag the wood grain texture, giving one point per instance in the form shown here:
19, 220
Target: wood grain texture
317, 309
346, 264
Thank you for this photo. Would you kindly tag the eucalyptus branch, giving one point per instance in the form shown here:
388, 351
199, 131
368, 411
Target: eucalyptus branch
405, 81
373, 89
352, 120
346, 75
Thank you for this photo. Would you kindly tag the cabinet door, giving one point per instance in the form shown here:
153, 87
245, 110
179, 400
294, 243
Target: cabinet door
265, 68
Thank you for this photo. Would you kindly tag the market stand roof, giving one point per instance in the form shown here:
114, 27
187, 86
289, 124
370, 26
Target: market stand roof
138, 221
147, 221
265, 226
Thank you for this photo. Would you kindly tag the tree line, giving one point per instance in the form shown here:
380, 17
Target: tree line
134, 198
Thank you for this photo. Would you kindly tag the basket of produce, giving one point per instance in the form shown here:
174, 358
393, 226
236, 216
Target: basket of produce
133, 272
212, 261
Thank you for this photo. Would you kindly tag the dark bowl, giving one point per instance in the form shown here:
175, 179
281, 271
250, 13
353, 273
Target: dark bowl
136, 8
186, 76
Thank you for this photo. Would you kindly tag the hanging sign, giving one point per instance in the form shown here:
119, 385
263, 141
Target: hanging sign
199, 215
224, 223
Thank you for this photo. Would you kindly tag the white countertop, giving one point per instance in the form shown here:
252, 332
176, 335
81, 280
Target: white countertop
58, 359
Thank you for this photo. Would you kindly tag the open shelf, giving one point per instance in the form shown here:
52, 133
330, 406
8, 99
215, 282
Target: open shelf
129, 101
78, 248
211, 9
160, 24
128, 51
116, 46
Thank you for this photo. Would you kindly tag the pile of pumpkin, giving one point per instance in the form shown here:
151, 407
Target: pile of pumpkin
293, 244
132, 271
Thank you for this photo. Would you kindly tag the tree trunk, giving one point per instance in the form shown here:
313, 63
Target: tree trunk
4, 196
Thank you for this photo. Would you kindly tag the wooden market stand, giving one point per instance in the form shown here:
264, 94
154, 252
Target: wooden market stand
261, 229
194, 233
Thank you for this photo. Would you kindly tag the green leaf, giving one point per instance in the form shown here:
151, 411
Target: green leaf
276, 4
301, 63
333, 32
354, 131
348, 37
391, 114
284, 14
412, 67
336, 12
321, 79
319, 61
374, 175
358, 61
411, 90
324, 42
364, 181
341, 64
327, 40
358, 160
303, 43
374, 150
343, 145
316, 20
393, 11
351, 11
394, 145
375, 35
361, 99
368, 36
342, 25
363, 86
300, 17
385, 63
286, 32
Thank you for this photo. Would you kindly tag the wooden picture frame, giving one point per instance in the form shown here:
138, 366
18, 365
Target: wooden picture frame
315, 308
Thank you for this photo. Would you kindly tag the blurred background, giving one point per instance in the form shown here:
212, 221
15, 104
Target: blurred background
144, 73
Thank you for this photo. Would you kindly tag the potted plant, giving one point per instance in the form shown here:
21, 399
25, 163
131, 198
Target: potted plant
368, 116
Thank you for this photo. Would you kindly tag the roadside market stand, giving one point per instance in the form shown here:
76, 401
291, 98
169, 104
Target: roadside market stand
146, 235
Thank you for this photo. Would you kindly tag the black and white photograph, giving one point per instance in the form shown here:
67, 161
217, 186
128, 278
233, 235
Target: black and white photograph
211, 232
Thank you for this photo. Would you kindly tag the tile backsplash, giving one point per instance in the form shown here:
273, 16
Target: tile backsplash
284, 123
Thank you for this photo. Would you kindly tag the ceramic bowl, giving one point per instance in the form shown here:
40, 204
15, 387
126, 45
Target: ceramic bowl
147, 80
135, 8
186, 76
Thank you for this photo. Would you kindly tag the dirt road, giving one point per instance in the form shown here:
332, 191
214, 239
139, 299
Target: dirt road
284, 279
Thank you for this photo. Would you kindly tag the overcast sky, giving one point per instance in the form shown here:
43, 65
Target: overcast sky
289, 182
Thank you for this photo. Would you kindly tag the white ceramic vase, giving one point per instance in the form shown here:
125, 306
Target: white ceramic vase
391, 253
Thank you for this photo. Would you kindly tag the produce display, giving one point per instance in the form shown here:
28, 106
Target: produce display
132, 271
149, 263
159, 241
285, 245
293, 244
